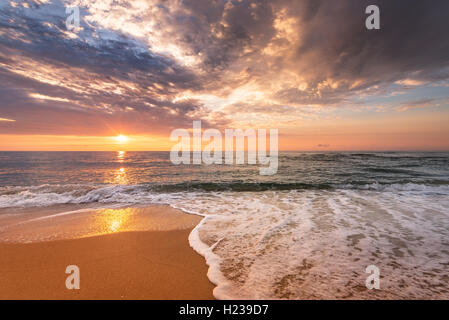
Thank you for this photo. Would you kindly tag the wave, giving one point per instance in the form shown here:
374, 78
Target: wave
425, 188
393, 171
47, 195
278, 244
238, 186
301, 236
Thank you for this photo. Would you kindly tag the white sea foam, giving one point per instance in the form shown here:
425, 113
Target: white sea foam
300, 244
47, 195
317, 244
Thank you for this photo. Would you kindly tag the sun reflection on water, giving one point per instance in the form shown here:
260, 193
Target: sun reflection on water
120, 176
120, 155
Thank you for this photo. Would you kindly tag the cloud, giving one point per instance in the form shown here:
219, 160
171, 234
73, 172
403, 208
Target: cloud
114, 79
422, 103
150, 65
6, 120
410, 82
43, 97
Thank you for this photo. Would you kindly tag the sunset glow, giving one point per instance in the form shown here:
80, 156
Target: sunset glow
236, 150
342, 91
122, 139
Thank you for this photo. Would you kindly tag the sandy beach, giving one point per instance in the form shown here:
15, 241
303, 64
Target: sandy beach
120, 262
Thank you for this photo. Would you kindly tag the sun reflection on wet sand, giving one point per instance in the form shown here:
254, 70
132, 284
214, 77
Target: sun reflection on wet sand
80, 223
139, 219
114, 220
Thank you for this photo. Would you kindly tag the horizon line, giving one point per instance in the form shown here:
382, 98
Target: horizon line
337, 150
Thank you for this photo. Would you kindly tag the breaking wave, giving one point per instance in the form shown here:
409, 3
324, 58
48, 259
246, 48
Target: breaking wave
47, 195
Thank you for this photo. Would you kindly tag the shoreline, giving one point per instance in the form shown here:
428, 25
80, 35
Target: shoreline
156, 264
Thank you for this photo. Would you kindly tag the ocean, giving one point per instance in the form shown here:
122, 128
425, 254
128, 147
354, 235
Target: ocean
308, 232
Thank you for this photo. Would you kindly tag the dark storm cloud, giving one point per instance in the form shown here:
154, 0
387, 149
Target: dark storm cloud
333, 53
336, 47
410, 39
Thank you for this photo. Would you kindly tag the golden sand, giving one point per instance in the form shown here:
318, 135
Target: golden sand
117, 264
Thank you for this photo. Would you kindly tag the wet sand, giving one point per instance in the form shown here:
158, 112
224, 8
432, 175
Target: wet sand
117, 264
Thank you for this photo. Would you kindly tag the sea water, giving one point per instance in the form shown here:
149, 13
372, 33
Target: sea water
308, 232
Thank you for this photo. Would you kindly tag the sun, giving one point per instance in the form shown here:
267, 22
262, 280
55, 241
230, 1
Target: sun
121, 138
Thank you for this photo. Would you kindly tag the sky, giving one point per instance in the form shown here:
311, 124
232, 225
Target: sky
142, 68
